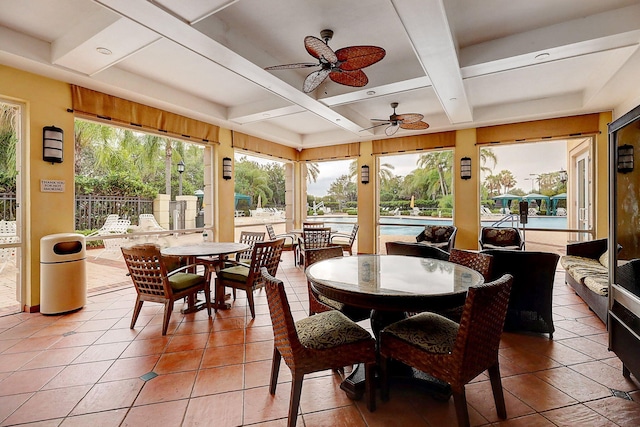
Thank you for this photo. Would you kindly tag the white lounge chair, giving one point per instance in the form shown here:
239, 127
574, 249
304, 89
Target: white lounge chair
7, 235
117, 228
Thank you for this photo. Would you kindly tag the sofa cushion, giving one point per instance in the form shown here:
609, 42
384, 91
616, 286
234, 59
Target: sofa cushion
435, 234
569, 261
604, 259
598, 284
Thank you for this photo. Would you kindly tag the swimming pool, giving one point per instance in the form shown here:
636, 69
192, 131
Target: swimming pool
403, 226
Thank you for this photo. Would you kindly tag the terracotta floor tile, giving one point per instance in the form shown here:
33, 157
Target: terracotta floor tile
222, 356
347, 416
54, 357
577, 415
224, 338
132, 367
438, 413
533, 420
77, 339
48, 404
164, 388
259, 333
606, 375
99, 352
80, 374
199, 327
261, 350
13, 362
221, 410
574, 384
179, 361
159, 414
322, 393
96, 325
26, 381
108, 396
117, 335
258, 374
57, 329
480, 397
10, 403
102, 419
261, 406
536, 393
194, 341
622, 412
396, 412
146, 347
218, 380
32, 344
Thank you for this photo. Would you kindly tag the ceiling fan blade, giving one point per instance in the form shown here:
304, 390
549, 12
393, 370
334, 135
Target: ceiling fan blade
414, 126
356, 78
381, 120
375, 126
409, 118
319, 49
391, 130
291, 66
357, 57
314, 79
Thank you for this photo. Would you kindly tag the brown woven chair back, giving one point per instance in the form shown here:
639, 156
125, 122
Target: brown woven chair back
316, 237
318, 254
265, 254
271, 232
416, 249
482, 263
478, 340
250, 238
312, 224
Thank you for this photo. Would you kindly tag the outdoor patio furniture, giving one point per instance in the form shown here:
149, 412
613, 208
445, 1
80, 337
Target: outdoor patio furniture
452, 352
7, 235
248, 277
416, 249
500, 238
440, 236
108, 222
325, 341
154, 283
290, 240
115, 228
344, 240
312, 237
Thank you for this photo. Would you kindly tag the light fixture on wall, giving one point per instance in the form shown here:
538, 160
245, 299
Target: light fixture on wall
364, 174
180, 171
52, 138
625, 158
226, 168
562, 175
465, 168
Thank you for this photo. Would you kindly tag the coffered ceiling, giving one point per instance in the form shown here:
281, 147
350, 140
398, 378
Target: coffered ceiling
460, 63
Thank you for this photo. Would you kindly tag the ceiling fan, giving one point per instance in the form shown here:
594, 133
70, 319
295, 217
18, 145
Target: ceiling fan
343, 66
411, 121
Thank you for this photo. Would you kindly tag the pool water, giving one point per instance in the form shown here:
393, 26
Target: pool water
412, 226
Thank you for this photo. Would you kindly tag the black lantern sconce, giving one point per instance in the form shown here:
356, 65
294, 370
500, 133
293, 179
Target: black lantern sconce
625, 158
364, 174
226, 168
465, 168
562, 175
180, 172
52, 138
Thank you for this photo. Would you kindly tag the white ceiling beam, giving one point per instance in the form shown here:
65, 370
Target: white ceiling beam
176, 30
428, 30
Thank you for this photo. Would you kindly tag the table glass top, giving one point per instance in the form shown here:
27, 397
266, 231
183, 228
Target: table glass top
393, 275
205, 248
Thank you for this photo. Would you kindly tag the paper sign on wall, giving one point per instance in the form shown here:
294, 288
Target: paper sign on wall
51, 186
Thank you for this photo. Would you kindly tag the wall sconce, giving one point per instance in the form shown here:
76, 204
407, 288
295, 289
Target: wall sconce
563, 176
364, 174
625, 158
226, 168
52, 138
465, 168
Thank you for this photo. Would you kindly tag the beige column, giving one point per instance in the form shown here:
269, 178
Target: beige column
224, 207
466, 213
601, 202
367, 201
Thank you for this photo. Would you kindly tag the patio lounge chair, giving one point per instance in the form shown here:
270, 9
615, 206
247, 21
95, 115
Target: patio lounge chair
7, 235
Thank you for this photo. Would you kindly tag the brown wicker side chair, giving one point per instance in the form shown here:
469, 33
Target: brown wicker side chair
314, 237
290, 240
154, 283
454, 353
482, 263
325, 341
346, 240
248, 277
319, 303
250, 238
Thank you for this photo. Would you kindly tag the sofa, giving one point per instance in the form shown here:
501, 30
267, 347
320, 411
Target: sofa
439, 236
501, 238
587, 272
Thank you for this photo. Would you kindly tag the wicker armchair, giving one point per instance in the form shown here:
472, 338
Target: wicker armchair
416, 249
154, 283
501, 238
455, 353
319, 303
480, 262
248, 277
327, 340
441, 236
290, 240
530, 306
345, 241
314, 237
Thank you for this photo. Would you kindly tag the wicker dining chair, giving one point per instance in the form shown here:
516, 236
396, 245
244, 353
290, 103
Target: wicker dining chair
153, 283
312, 224
247, 277
314, 237
325, 341
290, 240
480, 262
452, 352
344, 240
319, 303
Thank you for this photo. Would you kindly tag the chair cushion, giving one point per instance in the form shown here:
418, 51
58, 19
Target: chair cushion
598, 283
604, 258
336, 305
428, 331
329, 329
435, 233
182, 281
508, 247
237, 273
502, 237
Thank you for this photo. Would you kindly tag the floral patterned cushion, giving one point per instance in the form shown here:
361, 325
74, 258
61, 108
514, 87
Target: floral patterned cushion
598, 284
569, 261
336, 305
501, 237
435, 233
329, 329
429, 331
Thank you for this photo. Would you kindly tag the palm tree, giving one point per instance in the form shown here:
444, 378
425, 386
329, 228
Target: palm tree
312, 171
8, 140
442, 162
507, 180
487, 154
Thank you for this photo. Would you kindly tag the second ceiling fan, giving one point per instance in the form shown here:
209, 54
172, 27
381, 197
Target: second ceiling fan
410, 121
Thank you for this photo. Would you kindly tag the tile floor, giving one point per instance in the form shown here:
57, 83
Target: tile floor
88, 368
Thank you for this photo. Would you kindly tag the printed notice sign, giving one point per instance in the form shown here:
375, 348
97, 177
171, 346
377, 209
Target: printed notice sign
51, 186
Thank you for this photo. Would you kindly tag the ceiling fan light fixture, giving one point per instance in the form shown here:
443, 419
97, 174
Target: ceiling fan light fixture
542, 56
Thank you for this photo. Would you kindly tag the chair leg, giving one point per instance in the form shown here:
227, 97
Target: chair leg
275, 369
462, 413
168, 308
294, 403
384, 378
136, 312
498, 395
252, 307
370, 379
207, 299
